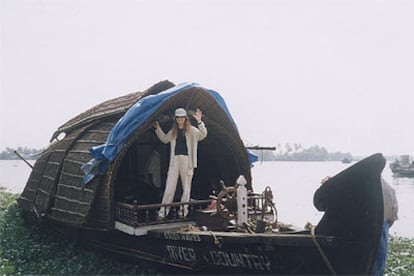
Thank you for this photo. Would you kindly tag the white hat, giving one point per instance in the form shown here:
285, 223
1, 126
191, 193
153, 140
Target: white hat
180, 112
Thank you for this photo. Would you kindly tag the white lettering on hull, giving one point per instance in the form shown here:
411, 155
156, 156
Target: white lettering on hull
181, 237
220, 258
255, 262
181, 254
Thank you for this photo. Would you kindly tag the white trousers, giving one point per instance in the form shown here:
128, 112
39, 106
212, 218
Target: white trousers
179, 168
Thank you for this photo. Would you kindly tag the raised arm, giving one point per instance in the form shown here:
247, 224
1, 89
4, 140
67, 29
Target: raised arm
202, 130
164, 138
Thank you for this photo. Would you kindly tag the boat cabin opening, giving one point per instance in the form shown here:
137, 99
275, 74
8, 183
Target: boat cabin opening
142, 172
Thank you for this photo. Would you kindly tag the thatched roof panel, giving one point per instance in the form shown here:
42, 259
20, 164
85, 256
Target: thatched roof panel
101, 213
73, 201
28, 195
41, 185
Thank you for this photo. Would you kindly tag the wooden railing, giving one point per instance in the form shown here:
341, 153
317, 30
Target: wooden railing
139, 215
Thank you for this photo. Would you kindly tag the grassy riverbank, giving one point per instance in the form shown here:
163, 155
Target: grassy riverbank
26, 250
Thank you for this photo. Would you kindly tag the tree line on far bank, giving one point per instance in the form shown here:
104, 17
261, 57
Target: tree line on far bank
27, 153
297, 152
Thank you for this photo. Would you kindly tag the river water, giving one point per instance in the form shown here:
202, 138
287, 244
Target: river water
292, 183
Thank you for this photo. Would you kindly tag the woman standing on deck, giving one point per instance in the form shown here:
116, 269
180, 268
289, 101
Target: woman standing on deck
183, 138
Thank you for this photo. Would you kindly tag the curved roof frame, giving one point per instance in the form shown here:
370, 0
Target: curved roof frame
136, 117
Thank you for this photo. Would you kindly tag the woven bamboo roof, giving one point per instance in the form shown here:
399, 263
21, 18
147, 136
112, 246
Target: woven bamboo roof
55, 189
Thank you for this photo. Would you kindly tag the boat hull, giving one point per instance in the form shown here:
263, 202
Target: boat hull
230, 253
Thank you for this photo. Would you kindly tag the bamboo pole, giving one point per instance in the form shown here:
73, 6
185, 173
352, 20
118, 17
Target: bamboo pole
21, 157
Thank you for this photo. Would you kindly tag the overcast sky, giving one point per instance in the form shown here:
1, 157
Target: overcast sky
338, 74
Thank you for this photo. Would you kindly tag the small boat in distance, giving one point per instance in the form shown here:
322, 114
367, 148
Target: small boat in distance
403, 167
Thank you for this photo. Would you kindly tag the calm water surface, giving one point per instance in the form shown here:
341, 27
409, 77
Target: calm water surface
292, 183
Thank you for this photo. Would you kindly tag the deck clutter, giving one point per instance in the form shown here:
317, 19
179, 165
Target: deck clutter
112, 203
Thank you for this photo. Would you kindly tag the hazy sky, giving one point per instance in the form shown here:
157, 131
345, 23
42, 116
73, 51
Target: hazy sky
338, 74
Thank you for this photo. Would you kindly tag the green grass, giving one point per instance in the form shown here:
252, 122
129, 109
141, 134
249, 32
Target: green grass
400, 259
24, 249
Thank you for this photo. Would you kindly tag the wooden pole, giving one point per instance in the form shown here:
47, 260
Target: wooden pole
261, 148
21, 157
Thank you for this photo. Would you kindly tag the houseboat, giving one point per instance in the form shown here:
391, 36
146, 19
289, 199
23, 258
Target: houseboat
93, 183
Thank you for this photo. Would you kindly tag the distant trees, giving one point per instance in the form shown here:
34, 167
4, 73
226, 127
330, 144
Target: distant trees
27, 153
295, 152
298, 153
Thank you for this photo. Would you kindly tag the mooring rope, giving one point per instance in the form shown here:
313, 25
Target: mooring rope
216, 241
323, 255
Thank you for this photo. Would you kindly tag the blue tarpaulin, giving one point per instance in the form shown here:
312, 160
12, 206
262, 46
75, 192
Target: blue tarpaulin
133, 119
